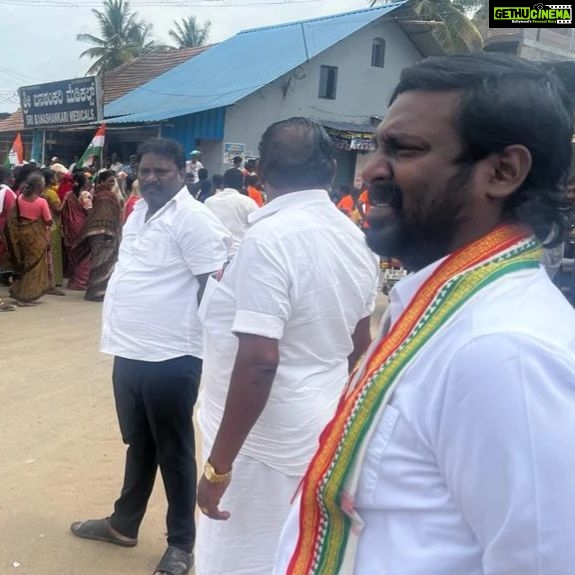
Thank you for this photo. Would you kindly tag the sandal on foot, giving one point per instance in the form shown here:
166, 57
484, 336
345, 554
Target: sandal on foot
100, 530
175, 562
6, 306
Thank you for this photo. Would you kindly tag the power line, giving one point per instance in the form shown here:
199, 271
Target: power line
153, 3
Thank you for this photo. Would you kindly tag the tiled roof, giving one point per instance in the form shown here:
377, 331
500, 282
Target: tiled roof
125, 78
132, 74
12, 123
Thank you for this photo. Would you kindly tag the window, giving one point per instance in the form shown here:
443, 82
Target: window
328, 82
378, 53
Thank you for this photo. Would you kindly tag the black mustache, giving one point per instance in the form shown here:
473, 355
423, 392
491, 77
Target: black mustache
385, 192
151, 188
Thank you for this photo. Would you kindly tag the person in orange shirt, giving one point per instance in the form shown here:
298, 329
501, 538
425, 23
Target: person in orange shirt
349, 204
252, 190
364, 205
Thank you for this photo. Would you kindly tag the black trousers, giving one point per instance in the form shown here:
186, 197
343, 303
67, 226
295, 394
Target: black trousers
154, 402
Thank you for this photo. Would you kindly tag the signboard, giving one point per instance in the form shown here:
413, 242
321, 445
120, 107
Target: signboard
233, 150
60, 103
347, 140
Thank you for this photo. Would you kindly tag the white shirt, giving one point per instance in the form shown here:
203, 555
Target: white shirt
194, 168
232, 209
117, 167
472, 468
304, 276
150, 308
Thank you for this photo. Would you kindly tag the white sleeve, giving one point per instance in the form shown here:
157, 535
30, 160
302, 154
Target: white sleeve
203, 239
262, 290
505, 445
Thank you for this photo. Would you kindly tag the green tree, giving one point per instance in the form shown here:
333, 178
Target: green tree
189, 34
123, 36
451, 27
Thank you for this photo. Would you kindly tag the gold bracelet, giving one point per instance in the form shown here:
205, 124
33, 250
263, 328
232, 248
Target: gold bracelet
213, 477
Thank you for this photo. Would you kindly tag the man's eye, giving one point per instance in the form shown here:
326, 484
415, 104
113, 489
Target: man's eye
395, 149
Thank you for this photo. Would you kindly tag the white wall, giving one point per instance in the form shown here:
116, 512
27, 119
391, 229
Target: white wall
362, 90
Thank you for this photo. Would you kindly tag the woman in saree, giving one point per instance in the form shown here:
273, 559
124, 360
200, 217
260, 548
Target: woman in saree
74, 211
101, 234
56, 259
27, 237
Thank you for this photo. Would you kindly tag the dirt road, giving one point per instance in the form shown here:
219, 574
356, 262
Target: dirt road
61, 457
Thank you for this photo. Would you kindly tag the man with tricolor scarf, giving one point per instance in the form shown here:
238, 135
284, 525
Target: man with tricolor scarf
452, 450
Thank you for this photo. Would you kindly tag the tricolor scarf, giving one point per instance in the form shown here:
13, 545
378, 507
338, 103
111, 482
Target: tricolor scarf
329, 524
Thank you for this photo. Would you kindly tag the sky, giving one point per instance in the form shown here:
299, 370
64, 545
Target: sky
38, 40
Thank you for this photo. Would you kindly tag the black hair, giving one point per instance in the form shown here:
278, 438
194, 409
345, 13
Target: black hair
130, 179
233, 178
203, 174
103, 176
164, 147
506, 101
34, 180
296, 154
49, 176
237, 160
79, 182
345, 189
22, 174
251, 180
217, 181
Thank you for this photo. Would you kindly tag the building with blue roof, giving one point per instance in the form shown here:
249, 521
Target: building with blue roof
338, 69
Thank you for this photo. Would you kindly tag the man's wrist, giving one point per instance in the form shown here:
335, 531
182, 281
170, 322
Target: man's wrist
214, 475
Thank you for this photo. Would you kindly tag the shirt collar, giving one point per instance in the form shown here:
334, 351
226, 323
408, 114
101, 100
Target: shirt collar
404, 291
286, 201
181, 195
228, 191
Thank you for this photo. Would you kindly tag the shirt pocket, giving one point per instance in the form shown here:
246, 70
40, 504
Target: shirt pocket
369, 477
154, 249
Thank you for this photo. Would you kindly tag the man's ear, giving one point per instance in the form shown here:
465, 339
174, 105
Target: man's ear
508, 170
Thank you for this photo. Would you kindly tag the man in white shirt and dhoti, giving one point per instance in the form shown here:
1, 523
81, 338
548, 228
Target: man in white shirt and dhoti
451, 452
281, 329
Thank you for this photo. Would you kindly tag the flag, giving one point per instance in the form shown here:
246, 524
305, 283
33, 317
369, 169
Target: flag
94, 149
16, 154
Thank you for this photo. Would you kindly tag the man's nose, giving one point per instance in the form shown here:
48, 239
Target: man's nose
151, 177
377, 167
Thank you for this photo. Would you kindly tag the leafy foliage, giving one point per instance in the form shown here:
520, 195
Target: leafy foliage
456, 32
188, 33
123, 36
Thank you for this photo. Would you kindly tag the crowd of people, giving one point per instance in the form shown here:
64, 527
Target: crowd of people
58, 224
81, 213
443, 444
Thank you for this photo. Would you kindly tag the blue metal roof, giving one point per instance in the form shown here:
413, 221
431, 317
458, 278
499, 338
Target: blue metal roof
237, 67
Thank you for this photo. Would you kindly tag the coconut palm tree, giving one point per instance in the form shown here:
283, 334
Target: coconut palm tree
122, 36
456, 33
188, 33
141, 41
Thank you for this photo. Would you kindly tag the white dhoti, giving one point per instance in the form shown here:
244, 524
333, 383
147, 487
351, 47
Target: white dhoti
258, 499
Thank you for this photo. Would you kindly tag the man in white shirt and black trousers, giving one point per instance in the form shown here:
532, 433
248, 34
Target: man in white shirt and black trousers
171, 244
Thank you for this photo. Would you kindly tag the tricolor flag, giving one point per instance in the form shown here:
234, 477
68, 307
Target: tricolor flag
16, 154
94, 149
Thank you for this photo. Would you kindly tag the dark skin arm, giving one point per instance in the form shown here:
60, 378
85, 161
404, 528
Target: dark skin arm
250, 385
361, 338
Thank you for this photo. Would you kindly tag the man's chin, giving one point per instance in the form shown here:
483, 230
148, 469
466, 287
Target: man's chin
385, 242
